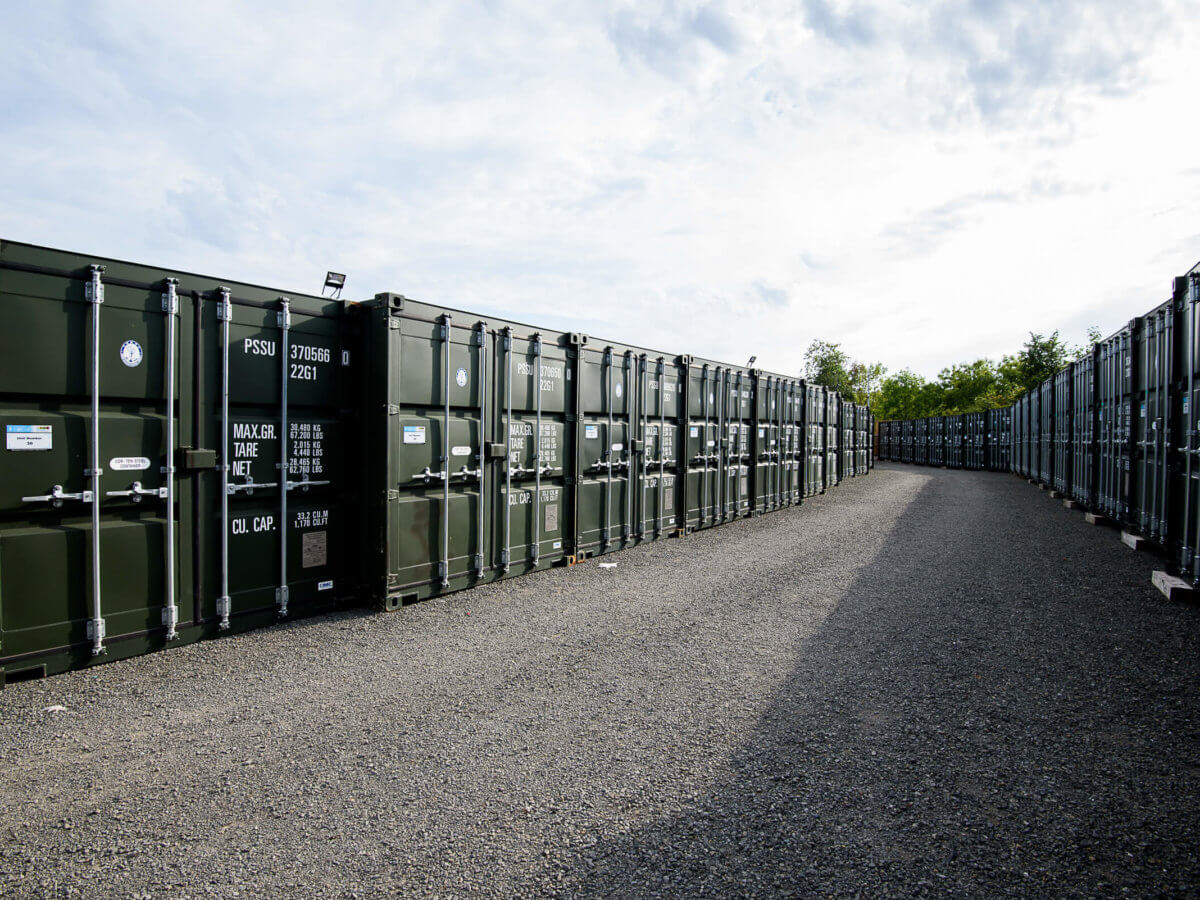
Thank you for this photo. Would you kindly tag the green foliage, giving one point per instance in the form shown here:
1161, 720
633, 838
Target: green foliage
864, 380
1093, 338
979, 385
828, 364
1041, 357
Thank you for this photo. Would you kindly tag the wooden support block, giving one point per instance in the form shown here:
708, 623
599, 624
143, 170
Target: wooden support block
1095, 519
1071, 504
1133, 541
1055, 495
1173, 588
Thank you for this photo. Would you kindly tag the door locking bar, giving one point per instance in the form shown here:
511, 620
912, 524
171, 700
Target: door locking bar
605, 461
537, 453
506, 344
480, 473
284, 319
444, 475
170, 307
95, 294
225, 315
662, 444
628, 462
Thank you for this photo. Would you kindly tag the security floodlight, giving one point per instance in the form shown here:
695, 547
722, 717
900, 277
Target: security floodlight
752, 359
336, 281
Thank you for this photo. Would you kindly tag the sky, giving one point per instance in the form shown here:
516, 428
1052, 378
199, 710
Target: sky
923, 183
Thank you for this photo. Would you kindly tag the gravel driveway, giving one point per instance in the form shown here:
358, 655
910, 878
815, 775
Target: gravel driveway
925, 682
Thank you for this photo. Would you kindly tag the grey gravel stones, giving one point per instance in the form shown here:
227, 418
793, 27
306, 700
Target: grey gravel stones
926, 682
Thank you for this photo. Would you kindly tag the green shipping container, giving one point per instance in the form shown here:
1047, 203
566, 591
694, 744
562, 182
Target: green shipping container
122, 388
186, 455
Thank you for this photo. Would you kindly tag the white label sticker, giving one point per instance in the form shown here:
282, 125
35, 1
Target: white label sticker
618, 389
591, 431
460, 451
324, 585
618, 446
28, 437
460, 377
414, 434
131, 354
557, 545
694, 431
129, 463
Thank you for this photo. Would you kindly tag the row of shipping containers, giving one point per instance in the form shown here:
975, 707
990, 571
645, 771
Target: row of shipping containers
187, 456
1113, 431
979, 440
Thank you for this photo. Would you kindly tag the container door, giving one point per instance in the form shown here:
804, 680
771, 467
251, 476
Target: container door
1187, 509
283, 520
436, 457
83, 478
607, 397
534, 380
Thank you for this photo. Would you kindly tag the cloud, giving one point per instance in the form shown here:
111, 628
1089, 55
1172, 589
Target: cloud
1021, 59
703, 177
925, 231
670, 39
768, 296
854, 26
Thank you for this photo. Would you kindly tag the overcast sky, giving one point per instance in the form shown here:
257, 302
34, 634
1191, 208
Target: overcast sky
922, 182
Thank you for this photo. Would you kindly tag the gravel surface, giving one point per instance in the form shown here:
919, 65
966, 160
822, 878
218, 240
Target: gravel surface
925, 682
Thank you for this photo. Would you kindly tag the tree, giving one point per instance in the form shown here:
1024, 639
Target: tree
902, 396
1040, 358
1085, 349
864, 381
966, 386
827, 364
973, 386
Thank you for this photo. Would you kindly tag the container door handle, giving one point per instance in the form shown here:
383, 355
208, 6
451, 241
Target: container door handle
136, 492
56, 497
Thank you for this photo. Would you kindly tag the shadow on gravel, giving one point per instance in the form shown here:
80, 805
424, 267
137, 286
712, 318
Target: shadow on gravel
999, 704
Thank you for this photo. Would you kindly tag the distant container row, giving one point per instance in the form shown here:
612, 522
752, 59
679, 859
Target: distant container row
1113, 431
186, 455
980, 440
